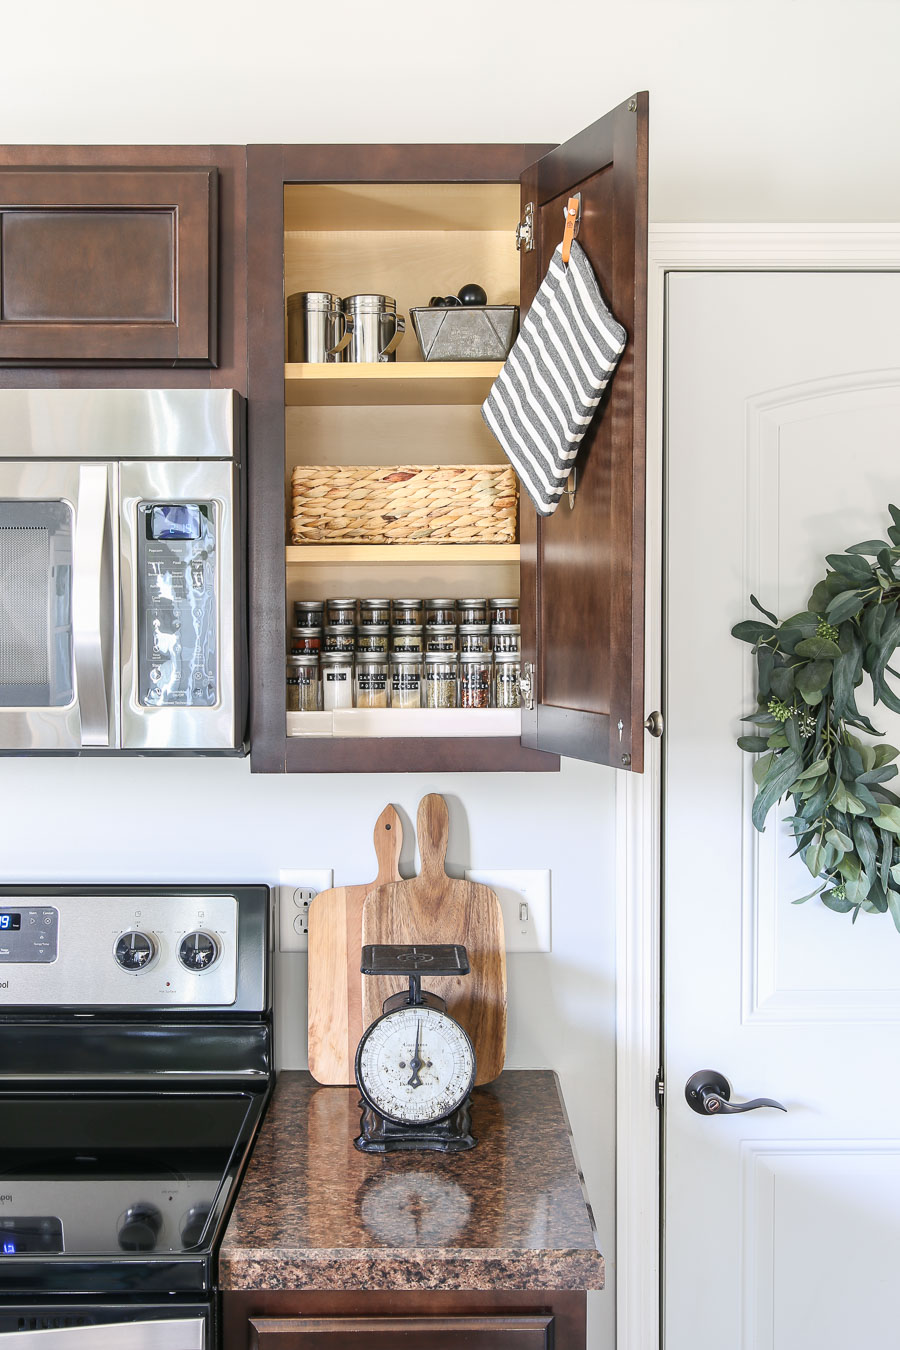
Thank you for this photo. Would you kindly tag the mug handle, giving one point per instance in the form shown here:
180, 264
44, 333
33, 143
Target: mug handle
345, 337
399, 330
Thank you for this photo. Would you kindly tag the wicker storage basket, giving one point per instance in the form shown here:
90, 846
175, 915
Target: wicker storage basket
375, 504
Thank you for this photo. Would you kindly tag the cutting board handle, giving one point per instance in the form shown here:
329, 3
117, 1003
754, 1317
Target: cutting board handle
388, 844
433, 829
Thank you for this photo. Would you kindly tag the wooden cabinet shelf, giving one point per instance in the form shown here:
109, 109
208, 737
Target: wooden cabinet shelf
402, 722
371, 555
390, 383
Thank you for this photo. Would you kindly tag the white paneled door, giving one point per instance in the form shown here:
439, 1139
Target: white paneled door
783, 436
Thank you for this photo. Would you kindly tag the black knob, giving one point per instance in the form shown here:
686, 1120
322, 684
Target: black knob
198, 951
139, 1228
135, 950
708, 1092
193, 1224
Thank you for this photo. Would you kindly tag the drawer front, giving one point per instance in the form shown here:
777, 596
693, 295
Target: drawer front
401, 1333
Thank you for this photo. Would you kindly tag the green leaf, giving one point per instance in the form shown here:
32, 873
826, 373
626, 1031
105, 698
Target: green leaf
887, 850
850, 565
805, 623
838, 904
811, 679
884, 753
866, 847
839, 840
817, 649
871, 547
751, 630
889, 819
815, 769
844, 605
765, 661
895, 514
893, 900
782, 682
895, 873
774, 785
803, 899
762, 720
882, 775
755, 744
777, 741
761, 767
768, 613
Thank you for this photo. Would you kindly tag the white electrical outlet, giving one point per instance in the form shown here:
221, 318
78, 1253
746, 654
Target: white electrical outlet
525, 900
296, 888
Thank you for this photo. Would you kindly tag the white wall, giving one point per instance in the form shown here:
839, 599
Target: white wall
782, 109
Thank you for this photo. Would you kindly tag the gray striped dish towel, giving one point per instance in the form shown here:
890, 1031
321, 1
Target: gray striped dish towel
544, 398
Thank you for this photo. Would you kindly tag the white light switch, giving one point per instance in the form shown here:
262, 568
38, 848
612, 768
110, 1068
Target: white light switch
525, 900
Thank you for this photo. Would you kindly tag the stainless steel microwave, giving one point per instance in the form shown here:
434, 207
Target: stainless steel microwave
121, 570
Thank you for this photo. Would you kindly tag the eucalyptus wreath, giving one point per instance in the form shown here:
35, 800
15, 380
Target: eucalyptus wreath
846, 823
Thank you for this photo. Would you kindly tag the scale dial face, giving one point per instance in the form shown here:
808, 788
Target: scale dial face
415, 1065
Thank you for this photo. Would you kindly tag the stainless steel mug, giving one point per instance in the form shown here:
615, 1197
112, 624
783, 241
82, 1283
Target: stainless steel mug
318, 327
376, 327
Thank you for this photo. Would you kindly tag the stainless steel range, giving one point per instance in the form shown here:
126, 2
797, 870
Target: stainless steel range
135, 1066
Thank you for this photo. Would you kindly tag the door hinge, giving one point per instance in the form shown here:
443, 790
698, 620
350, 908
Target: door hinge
525, 229
526, 686
659, 1090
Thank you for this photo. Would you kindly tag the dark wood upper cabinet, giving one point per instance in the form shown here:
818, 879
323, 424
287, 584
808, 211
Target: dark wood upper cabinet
412, 221
108, 265
582, 569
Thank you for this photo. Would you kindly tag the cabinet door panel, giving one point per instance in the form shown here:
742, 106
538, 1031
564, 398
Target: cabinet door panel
583, 568
401, 1333
108, 266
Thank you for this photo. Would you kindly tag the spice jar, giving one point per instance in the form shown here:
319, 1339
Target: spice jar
440, 637
506, 637
305, 640
303, 683
439, 612
474, 637
472, 611
308, 613
406, 637
406, 680
374, 611
406, 611
475, 680
371, 680
504, 611
372, 637
337, 680
440, 680
340, 611
339, 637
507, 669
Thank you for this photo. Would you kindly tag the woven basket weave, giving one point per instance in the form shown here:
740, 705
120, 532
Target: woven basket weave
452, 504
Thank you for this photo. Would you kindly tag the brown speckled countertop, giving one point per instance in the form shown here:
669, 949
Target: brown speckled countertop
313, 1213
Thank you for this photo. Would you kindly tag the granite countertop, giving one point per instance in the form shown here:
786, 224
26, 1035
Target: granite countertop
313, 1213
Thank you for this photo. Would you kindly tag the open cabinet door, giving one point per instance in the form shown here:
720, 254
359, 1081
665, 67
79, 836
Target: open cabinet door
583, 568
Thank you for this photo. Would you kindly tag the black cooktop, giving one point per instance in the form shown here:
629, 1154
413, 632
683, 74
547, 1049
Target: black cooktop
117, 1190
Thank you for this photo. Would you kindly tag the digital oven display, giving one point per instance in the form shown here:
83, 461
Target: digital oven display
10, 922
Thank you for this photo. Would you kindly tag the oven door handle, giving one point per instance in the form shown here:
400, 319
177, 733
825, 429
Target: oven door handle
179, 1333
93, 603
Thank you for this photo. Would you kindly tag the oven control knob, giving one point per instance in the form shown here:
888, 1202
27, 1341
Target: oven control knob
198, 951
135, 950
193, 1224
138, 1228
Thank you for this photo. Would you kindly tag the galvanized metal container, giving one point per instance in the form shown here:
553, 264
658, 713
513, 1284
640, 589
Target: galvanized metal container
465, 332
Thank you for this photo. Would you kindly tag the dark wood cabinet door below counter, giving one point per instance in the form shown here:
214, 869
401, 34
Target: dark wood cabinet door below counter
108, 265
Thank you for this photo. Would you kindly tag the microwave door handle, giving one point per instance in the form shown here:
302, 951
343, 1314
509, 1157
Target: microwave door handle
88, 619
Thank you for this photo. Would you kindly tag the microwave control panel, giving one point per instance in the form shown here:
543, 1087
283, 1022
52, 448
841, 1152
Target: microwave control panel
28, 935
177, 605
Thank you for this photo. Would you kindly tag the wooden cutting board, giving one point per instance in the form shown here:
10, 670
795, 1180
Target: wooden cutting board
433, 907
335, 1015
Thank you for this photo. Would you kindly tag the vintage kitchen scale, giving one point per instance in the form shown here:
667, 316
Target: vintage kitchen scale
415, 1065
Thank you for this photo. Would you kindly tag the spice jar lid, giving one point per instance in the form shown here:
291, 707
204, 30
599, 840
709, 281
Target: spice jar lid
304, 659
414, 603
381, 628
380, 602
506, 628
309, 604
336, 658
468, 657
444, 603
313, 300
473, 628
364, 658
505, 600
443, 656
301, 631
407, 656
343, 602
348, 629
507, 656
467, 604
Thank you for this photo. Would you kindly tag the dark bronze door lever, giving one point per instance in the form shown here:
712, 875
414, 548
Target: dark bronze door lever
708, 1093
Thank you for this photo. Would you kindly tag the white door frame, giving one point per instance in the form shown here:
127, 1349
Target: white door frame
676, 248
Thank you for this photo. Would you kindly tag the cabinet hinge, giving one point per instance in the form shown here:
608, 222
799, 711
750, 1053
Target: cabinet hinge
659, 1090
525, 229
526, 685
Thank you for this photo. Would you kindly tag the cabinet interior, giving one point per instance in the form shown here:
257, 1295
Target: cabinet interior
410, 241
